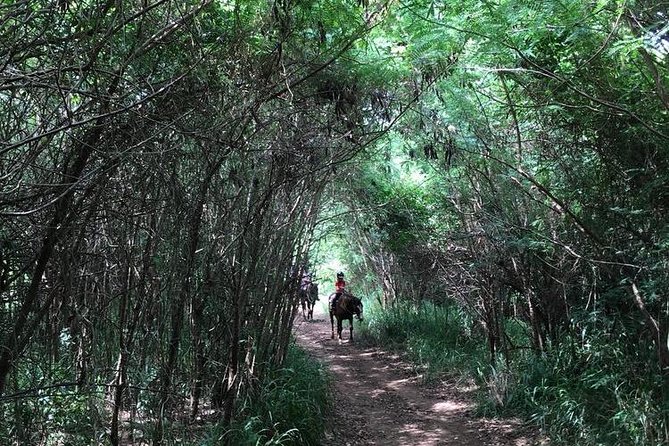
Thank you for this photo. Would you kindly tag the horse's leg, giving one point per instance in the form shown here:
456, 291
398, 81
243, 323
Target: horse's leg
340, 323
350, 325
304, 310
332, 323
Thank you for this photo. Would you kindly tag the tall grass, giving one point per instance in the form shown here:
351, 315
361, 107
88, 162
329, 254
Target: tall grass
290, 408
598, 388
438, 339
594, 388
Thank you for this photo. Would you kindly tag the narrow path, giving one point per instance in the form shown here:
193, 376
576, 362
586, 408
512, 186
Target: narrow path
380, 400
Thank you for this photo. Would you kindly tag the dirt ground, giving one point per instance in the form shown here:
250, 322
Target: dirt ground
380, 400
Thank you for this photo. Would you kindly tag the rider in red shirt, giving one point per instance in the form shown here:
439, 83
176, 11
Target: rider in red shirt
340, 285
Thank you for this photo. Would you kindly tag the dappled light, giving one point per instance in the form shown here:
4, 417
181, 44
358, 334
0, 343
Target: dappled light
482, 186
379, 402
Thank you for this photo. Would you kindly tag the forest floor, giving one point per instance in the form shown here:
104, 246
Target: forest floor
382, 400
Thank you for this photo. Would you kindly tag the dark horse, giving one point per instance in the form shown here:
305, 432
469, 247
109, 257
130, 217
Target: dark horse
347, 306
308, 296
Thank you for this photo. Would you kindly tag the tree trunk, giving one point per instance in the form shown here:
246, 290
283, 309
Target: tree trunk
535, 323
18, 337
195, 312
179, 304
120, 379
232, 366
659, 330
119, 386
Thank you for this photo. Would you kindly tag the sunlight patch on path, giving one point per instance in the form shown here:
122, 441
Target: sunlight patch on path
379, 400
450, 406
397, 384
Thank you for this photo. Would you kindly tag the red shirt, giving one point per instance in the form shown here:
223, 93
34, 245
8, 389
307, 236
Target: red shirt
339, 285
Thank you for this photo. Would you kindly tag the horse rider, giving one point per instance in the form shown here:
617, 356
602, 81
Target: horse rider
340, 285
306, 280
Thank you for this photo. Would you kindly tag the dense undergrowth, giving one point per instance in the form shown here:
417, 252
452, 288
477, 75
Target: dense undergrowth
593, 390
289, 409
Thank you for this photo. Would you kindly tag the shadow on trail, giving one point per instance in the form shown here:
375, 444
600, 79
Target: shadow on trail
379, 400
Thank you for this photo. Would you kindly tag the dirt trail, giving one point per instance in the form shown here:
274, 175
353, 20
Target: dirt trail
380, 400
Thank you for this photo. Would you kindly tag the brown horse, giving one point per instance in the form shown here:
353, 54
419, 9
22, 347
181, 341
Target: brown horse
308, 296
347, 306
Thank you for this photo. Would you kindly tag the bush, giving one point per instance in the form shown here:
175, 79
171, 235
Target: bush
290, 408
595, 387
594, 391
437, 338
48, 414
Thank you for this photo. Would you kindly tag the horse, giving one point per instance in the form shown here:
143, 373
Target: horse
347, 306
308, 296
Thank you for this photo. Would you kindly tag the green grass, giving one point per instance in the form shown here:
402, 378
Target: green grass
437, 339
597, 388
290, 408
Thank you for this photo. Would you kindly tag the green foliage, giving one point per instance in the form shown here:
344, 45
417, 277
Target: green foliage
524, 183
593, 392
48, 414
289, 408
437, 338
542, 129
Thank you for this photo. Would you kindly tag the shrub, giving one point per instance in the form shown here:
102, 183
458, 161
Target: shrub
594, 387
290, 408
